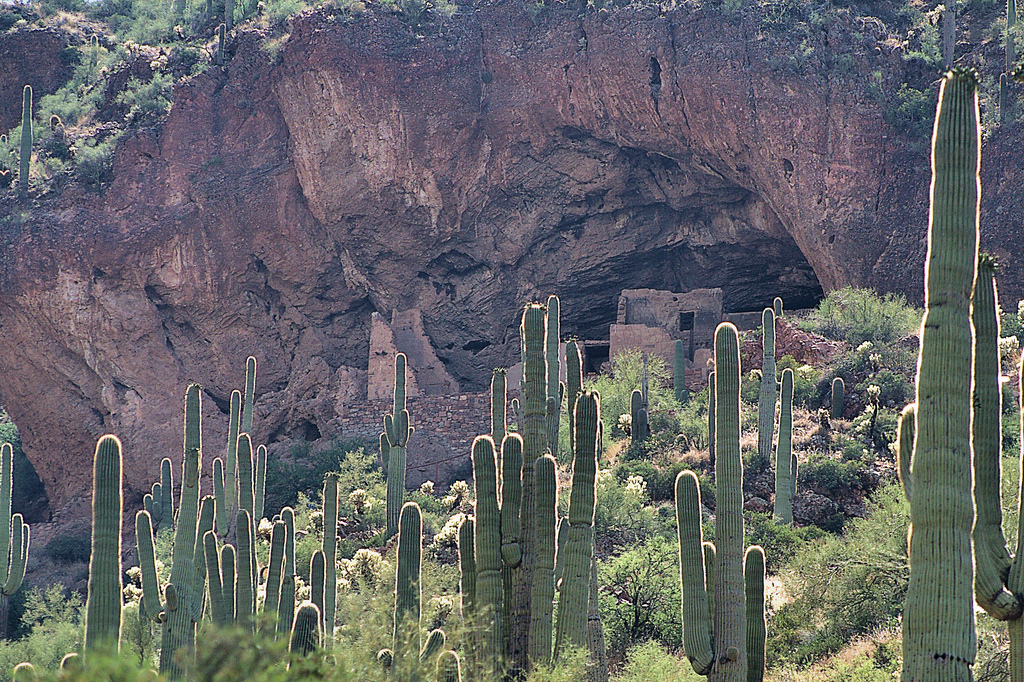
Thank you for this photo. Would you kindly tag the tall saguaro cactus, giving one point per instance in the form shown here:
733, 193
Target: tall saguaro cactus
26, 140
768, 394
330, 549
999, 577
182, 605
14, 538
104, 601
716, 615
396, 433
939, 640
554, 388
785, 458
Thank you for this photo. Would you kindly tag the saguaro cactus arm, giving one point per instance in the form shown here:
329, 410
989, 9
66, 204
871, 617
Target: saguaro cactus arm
104, 601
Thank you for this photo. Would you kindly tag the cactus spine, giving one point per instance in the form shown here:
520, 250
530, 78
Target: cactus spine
768, 394
715, 612
939, 641
26, 140
785, 458
103, 604
579, 547
397, 432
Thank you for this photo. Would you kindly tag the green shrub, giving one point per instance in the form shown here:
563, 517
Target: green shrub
651, 661
859, 315
641, 599
780, 542
51, 626
148, 102
94, 163
805, 377
829, 476
69, 549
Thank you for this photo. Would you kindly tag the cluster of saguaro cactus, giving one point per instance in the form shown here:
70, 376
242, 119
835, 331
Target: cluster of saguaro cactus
638, 417
14, 538
26, 140
723, 630
182, 603
785, 458
393, 440
768, 394
104, 600
939, 640
555, 389
406, 657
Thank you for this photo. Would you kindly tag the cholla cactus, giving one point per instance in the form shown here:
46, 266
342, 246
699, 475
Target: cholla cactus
357, 498
427, 488
457, 494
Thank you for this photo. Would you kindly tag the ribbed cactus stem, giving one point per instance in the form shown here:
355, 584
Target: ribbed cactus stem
305, 637
711, 417
767, 396
553, 405
219, 494
166, 493
104, 601
785, 479
637, 416
26, 140
245, 581
992, 557
757, 624
435, 642
511, 498
573, 382
579, 546
317, 568
207, 511
939, 641
260, 483
449, 667
397, 432
543, 596
231, 459
467, 567
275, 569
245, 424
407, 588
487, 546
777, 306
330, 548
730, 613
246, 498
228, 560
838, 389
679, 371
218, 609
696, 610
905, 448
499, 398
286, 605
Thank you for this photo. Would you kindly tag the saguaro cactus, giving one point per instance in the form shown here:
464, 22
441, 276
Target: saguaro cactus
489, 595
306, 630
330, 549
396, 432
26, 140
14, 540
838, 389
785, 458
553, 409
104, 601
715, 612
499, 396
768, 394
939, 641
579, 547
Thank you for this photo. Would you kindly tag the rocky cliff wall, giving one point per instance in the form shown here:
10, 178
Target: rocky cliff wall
363, 168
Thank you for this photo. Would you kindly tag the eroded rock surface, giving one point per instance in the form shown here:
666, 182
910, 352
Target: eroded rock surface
364, 169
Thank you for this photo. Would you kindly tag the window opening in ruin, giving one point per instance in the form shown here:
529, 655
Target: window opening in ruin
686, 322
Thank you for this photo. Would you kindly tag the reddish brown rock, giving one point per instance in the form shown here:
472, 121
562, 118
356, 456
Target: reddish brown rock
366, 168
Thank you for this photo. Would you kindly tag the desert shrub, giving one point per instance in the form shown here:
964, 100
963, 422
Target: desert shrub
845, 586
859, 315
642, 596
148, 101
805, 377
50, 627
780, 542
69, 549
830, 476
94, 163
627, 370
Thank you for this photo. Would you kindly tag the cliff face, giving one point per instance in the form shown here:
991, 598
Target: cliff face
362, 168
